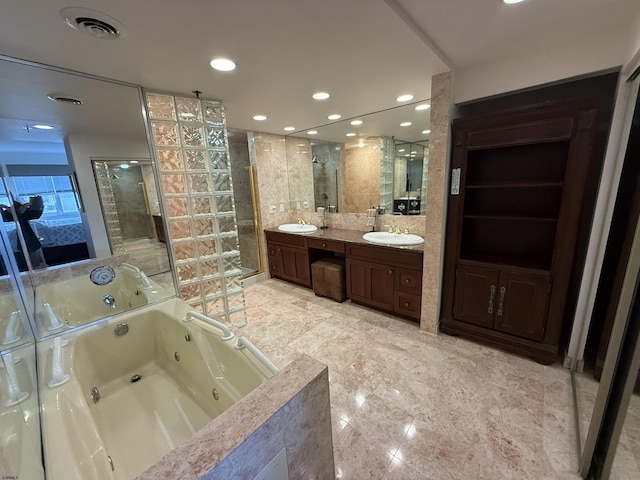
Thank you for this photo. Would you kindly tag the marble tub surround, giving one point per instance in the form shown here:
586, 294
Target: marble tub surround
290, 410
408, 405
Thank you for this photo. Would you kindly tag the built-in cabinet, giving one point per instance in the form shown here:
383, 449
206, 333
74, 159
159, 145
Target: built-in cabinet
514, 207
384, 278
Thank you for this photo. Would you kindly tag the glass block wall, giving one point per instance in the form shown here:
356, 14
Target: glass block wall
108, 204
387, 152
192, 154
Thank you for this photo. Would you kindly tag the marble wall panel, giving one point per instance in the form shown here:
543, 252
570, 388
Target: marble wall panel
436, 198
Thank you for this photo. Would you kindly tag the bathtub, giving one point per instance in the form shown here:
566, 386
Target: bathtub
132, 398
78, 301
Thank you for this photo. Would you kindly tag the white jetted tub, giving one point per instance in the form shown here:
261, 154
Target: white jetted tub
78, 301
114, 402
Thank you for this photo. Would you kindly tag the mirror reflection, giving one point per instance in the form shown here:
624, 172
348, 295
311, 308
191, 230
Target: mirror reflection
375, 160
55, 127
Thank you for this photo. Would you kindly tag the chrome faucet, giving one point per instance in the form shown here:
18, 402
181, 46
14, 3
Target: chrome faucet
109, 300
95, 395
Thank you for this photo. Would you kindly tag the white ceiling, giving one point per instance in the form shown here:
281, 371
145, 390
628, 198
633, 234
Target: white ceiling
361, 51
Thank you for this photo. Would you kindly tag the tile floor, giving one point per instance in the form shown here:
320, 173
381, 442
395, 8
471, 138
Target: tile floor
412, 406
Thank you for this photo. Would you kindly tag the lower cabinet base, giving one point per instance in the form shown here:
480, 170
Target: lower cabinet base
542, 353
409, 317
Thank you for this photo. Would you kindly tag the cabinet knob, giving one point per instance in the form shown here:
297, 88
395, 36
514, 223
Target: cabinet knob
390, 272
406, 280
324, 244
406, 304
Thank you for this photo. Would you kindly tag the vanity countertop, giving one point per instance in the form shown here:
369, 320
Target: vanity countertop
348, 236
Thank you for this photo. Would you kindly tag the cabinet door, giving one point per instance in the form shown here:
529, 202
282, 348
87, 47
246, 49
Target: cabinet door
522, 304
370, 284
382, 286
295, 265
476, 295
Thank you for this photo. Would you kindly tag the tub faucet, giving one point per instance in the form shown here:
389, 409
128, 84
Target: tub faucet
109, 300
95, 395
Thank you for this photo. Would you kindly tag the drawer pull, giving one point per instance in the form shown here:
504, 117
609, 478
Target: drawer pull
503, 290
491, 295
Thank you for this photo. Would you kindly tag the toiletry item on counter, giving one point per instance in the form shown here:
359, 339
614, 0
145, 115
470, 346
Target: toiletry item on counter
371, 218
322, 218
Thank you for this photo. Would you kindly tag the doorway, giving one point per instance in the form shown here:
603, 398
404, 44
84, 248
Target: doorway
131, 210
244, 196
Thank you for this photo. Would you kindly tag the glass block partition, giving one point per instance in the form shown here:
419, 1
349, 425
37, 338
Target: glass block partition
387, 152
108, 204
192, 156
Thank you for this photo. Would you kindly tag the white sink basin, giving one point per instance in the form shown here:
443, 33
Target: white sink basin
297, 228
386, 238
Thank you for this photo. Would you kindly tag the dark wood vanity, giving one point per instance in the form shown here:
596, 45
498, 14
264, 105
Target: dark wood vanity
382, 277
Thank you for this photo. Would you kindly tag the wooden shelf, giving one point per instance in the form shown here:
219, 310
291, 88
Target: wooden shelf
517, 185
524, 218
530, 265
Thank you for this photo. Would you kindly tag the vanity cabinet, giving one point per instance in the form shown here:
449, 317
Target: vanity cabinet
518, 182
381, 277
385, 278
289, 258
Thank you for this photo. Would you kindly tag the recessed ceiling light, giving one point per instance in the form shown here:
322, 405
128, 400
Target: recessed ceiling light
133, 161
312, 132
260, 118
289, 129
42, 126
509, 2
401, 150
406, 154
351, 134
355, 123
413, 152
426, 132
223, 64
404, 98
335, 116
423, 106
320, 96
124, 165
405, 124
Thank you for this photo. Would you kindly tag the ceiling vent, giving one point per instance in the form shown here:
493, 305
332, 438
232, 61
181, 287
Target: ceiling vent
94, 23
66, 99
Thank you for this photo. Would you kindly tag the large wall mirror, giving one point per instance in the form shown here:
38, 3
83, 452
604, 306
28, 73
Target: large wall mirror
78, 184
374, 160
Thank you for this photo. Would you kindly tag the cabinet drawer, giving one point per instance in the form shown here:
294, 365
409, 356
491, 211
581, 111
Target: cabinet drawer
287, 239
331, 245
407, 304
408, 281
386, 255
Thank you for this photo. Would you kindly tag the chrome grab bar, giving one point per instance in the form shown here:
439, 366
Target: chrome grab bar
227, 334
244, 343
